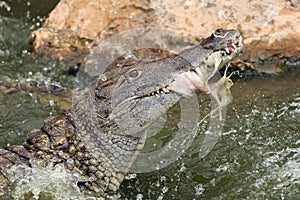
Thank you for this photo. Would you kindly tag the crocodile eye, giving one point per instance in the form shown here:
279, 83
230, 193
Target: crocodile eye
218, 32
133, 74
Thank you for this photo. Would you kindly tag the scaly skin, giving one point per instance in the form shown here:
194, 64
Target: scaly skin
102, 133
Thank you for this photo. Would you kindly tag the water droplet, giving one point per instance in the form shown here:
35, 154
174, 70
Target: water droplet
103, 77
139, 196
51, 102
164, 189
199, 189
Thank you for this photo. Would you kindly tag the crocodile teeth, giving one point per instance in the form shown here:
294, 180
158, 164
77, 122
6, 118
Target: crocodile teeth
227, 50
235, 45
165, 90
158, 92
230, 49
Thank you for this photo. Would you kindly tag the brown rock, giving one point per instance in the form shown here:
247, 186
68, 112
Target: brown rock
270, 27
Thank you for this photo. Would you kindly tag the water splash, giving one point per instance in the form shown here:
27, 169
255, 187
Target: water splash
3, 4
51, 182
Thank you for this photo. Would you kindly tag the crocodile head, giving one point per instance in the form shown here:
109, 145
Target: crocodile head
135, 95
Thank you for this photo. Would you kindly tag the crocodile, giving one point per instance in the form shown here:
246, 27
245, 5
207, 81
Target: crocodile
101, 134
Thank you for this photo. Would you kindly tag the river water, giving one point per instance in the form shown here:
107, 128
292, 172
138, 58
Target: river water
257, 156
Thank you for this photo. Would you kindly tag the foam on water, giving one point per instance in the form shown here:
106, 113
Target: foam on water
283, 173
51, 182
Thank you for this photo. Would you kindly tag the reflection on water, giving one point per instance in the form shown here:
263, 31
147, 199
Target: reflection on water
257, 157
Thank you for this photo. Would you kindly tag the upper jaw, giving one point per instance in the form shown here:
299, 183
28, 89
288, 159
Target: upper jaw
194, 80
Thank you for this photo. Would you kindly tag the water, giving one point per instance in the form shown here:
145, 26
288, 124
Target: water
257, 157
22, 111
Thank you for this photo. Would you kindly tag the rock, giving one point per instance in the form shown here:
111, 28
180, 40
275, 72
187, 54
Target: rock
270, 27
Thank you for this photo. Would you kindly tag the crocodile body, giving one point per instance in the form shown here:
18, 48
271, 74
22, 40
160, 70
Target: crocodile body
102, 133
